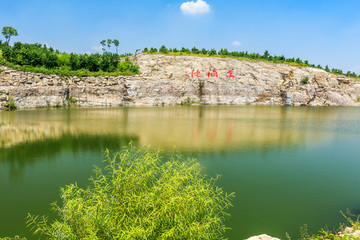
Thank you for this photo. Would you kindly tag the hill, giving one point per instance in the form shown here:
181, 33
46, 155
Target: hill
167, 79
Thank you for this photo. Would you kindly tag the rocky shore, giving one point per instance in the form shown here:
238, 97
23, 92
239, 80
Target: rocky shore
4, 96
170, 80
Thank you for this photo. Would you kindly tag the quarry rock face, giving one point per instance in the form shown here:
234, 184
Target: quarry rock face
170, 80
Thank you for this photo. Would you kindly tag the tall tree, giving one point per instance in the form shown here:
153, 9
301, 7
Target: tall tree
8, 32
266, 54
103, 43
116, 43
109, 42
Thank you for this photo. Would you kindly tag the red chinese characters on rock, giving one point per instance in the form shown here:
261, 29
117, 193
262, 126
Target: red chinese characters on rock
212, 73
195, 73
230, 74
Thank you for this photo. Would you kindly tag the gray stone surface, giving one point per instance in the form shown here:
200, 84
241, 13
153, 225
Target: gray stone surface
263, 237
167, 80
350, 232
4, 97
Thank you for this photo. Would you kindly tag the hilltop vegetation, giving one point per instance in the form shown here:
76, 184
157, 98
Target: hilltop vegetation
244, 55
43, 59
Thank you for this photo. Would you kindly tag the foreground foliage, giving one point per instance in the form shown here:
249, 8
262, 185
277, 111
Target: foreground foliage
140, 195
325, 233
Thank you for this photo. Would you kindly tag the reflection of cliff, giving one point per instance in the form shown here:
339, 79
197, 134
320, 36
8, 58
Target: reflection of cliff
24, 154
188, 128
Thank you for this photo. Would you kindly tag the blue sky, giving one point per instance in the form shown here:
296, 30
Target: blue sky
321, 31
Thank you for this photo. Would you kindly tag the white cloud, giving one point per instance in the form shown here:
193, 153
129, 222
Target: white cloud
236, 43
97, 48
194, 8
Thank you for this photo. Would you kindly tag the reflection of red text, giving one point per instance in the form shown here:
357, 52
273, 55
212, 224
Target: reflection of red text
230, 131
212, 131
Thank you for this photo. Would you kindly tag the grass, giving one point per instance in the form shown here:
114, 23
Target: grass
226, 56
325, 234
71, 102
187, 102
10, 105
141, 194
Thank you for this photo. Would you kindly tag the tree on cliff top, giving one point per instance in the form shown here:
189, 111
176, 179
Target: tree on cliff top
116, 43
8, 32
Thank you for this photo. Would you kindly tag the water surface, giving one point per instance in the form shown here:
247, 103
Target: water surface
288, 166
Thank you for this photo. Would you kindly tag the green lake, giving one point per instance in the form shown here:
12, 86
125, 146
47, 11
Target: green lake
288, 166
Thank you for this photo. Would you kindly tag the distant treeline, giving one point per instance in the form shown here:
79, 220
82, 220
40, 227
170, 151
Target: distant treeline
44, 59
255, 56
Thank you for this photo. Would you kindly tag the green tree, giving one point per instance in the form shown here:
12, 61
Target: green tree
109, 42
212, 52
266, 54
103, 44
153, 50
8, 32
116, 43
163, 49
195, 50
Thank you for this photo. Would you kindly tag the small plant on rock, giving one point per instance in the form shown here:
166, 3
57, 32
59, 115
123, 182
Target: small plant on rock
187, 102
10, 105
305, 80
71, 102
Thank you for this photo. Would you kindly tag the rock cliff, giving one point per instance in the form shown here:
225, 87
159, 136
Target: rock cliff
169, 80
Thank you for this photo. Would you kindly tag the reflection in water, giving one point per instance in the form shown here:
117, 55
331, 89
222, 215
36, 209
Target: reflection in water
24, 154
189, 128
285, 164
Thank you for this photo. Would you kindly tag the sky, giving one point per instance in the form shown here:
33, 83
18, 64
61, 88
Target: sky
325, 32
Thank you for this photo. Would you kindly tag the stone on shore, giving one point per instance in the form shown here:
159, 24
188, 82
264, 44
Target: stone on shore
263, 237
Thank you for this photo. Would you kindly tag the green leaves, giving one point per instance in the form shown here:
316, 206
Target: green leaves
141, 194
35, 58
8, 32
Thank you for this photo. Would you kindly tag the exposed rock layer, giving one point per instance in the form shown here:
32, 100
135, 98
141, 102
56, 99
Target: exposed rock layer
4, 96
167, 80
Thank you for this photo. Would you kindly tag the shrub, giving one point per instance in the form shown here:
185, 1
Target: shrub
153, 50
305, 80
71, 102
38, 58
163, 49
141, 194
10, 105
